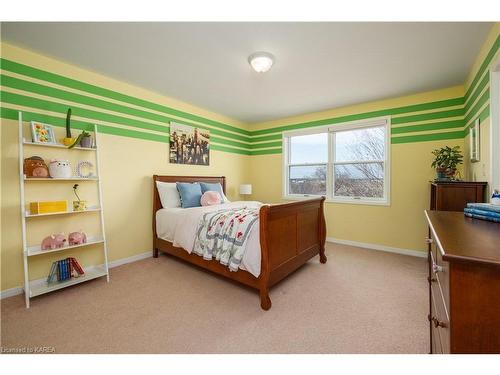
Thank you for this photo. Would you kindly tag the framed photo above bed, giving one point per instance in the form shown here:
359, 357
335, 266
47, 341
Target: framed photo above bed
189, 145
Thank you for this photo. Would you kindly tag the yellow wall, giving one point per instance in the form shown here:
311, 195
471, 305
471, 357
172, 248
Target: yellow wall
127, 166
399, 225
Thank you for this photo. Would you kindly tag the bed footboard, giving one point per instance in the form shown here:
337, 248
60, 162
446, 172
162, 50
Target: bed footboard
290, 235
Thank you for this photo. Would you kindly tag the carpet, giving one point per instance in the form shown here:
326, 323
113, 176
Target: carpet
360, 301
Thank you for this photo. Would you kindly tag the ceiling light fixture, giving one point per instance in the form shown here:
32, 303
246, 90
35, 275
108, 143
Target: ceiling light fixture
261, 62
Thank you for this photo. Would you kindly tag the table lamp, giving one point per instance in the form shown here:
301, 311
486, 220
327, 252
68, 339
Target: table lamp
245, 189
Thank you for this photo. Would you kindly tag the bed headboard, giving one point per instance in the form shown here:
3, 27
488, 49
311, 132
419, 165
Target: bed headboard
156, 196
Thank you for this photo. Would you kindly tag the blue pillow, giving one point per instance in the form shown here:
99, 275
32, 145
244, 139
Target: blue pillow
190, 194
213, 187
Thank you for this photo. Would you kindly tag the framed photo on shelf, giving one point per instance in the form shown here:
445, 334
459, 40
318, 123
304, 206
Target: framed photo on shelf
42, 133
474, 141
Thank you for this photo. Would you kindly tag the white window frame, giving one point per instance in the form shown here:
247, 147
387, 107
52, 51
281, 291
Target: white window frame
331, 130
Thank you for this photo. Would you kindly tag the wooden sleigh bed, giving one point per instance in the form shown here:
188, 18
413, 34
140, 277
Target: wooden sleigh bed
290, 235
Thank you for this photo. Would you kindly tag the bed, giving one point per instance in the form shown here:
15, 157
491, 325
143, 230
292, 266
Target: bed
289, 234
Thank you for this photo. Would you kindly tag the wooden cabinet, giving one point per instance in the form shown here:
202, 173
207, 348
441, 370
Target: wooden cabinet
464, 284
454, 196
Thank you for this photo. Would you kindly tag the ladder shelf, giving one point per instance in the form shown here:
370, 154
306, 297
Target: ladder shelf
34, 288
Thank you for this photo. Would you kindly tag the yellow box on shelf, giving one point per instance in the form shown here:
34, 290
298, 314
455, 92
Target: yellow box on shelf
47, 207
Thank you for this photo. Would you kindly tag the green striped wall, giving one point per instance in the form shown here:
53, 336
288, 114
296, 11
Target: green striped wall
45, 96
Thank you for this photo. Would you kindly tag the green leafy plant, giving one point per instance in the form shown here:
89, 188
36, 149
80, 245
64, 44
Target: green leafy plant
68, 123
79, 138
447, 159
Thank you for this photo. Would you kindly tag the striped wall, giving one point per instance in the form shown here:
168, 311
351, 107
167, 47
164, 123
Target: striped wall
45, 96
439, 120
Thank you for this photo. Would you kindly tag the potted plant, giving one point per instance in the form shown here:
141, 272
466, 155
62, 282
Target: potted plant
446, 161
84, 140
78, 205
68, 140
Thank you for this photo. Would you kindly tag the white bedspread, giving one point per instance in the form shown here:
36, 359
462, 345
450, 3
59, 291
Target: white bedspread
178, 225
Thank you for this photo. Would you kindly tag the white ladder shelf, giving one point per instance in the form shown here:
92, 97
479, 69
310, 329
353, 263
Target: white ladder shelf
37, 287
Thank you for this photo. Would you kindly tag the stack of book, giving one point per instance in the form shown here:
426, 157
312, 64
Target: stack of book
64, 269
483, 211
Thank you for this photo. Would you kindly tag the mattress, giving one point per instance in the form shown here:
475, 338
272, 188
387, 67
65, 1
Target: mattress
178, 225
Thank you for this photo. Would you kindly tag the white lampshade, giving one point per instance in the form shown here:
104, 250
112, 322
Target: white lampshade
245, 189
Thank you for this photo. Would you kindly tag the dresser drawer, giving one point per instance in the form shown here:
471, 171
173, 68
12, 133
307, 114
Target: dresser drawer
439, 270
440, 282
439, 318
436, 347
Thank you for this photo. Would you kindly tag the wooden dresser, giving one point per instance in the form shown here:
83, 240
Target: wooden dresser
464, 283
454, 196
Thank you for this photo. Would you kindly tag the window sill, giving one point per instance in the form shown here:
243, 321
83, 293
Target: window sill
341, 201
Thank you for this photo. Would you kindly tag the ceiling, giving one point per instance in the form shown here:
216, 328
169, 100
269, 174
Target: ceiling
318, 65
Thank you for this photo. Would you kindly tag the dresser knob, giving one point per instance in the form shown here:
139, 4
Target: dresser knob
436, 268
429, 240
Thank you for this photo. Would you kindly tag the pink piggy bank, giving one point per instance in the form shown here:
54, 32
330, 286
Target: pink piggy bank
54, 241
77, 238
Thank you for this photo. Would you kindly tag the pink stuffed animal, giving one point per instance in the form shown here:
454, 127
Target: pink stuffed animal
210, 198
54, 241
77, 238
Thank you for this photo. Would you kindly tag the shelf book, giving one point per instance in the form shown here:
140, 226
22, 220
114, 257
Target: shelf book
64, 269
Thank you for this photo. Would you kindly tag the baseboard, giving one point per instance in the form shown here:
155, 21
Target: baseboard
11, 292
371, 246
134, 258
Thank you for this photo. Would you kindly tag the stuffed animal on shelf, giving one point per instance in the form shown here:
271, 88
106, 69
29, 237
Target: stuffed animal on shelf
34, 166
77, 238
59, 168
54, 241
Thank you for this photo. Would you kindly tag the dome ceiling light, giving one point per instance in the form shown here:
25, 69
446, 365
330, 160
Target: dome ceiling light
261, 62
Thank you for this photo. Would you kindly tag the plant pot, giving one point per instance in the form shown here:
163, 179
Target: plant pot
86, 142
79, 205
68, 141
441, 174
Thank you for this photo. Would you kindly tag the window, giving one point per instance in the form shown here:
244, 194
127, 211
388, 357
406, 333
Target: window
346, 163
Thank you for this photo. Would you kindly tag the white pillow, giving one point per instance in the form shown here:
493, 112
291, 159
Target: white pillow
169, 195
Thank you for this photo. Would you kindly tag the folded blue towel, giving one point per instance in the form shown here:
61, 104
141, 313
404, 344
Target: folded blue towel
482, 217
482, 212
484, 207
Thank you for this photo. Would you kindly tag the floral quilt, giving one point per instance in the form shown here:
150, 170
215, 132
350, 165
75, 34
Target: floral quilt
222, 235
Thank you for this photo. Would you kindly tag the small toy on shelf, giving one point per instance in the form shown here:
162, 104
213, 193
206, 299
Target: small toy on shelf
54, 241
78, 205
35, 167
77, 238
59, 168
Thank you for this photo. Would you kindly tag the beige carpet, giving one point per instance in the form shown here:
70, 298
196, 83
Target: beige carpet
361, 301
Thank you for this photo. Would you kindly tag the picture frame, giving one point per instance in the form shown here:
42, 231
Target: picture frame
189, 145
42, 133
474, 139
